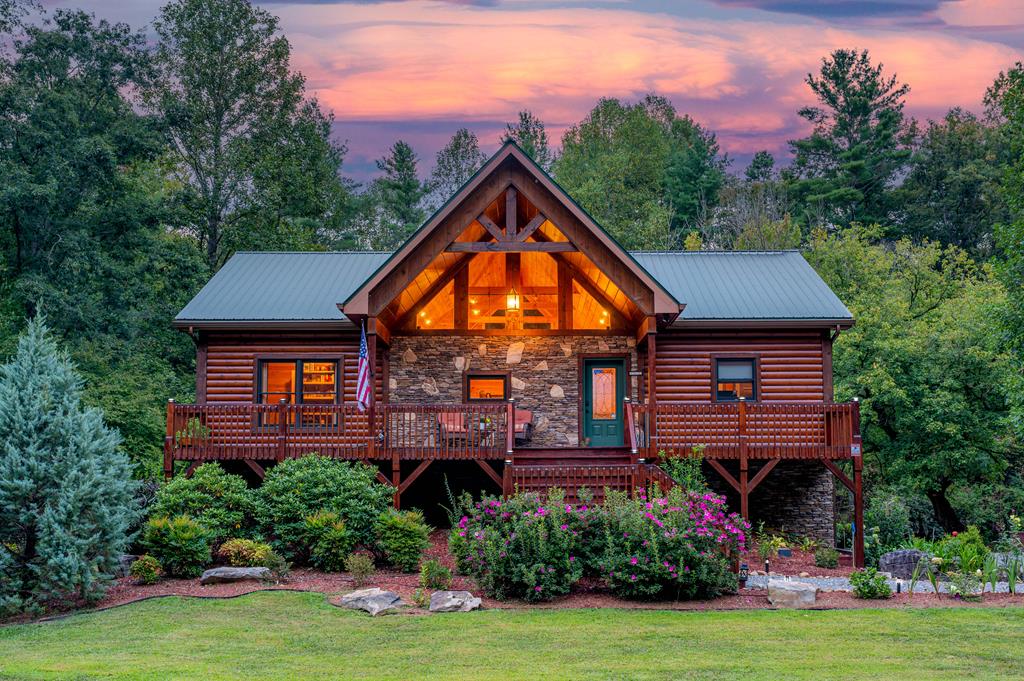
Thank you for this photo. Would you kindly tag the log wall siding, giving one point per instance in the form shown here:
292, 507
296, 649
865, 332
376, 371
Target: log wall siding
791, 364
230, 368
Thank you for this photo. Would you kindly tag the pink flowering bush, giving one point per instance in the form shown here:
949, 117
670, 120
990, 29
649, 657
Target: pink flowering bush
672, 547
522, 547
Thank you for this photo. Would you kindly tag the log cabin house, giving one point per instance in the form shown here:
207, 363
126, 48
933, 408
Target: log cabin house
511, 334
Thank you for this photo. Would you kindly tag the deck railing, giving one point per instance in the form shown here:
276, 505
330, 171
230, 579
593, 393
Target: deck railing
265, 432
767, 430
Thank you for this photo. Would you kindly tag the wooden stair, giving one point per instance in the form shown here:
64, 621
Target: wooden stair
572, 477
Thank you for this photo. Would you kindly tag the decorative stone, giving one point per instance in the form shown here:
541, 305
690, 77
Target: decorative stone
461, 364
804, 574
374, 600
556, 392
453, 601
515, 353
567, 349
518, 384
542, 424
572, 439
409, 357
393, 384
233, 574
602, 346
541, 365
482, 350
901, 563
430, 386
631, 342
785, 594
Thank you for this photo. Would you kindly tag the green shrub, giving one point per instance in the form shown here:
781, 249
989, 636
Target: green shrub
278, 566
180, 544
520, 547
965, 585
295, 489
219, 501
887, 522
966, 550
434, 575
869, 583
244, 553
145, 570
826, 557
360, 566
402, 536
329, 540
678, 546
768, 545
687, 471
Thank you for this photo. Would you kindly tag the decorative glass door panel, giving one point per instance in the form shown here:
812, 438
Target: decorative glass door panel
604, 389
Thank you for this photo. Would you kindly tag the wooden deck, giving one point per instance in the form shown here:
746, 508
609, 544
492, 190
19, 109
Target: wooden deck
258, 434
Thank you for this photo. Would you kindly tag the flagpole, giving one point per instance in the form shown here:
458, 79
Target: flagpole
371, 357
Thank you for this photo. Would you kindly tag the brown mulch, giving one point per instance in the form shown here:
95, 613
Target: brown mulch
589, 593
797, 563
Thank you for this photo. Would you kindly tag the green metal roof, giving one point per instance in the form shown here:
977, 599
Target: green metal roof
744, 285
295, 288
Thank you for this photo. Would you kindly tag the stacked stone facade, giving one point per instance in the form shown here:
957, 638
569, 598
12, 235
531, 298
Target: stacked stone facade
545, 374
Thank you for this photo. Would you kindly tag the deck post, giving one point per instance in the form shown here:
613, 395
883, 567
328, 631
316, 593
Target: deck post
506, 479
169, 442
282, 429
858, 489
652, 389
744, 488
371, 412
510, 438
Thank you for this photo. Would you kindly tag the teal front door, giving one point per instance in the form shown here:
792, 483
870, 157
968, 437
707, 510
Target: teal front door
604, 387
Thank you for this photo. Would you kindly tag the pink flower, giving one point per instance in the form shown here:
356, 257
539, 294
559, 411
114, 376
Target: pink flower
633, 560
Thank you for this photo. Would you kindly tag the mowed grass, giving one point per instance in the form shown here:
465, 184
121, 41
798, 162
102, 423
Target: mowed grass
287, 635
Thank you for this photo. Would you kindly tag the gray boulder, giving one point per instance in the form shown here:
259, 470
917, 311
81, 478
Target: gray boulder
233, 574
900, 564
124, 564
374, 601
453, 601
786, 594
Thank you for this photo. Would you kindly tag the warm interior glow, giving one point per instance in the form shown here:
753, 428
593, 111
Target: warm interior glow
486, 387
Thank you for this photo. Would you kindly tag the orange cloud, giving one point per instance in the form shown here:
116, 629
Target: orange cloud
424, 60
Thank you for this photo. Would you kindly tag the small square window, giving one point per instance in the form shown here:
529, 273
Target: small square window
735, 378
484, 387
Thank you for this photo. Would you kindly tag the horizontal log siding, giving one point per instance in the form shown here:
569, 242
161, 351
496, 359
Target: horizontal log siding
791, 363
231, 361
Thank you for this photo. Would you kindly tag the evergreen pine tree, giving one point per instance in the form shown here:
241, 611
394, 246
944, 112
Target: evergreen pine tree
65, 489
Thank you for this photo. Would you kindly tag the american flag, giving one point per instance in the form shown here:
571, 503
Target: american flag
364, 382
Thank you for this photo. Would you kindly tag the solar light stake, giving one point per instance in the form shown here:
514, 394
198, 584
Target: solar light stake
767, 567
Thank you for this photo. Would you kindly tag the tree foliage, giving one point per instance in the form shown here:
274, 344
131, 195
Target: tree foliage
65, 490
532, 137
254, 163
925, 359
861, 142
644, 172
454, 165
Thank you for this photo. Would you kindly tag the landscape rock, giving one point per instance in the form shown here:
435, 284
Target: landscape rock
900, 564
785, 594
453, 601
804, 574
518, 383
409, 357
233, 574
430, 386
124, 564
541, 365
373, 600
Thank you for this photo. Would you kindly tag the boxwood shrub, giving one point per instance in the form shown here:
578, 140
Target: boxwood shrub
402, 537
220, 501
296, 489
180, 544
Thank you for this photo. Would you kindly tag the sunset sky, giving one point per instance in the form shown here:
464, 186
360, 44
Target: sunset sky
420, 69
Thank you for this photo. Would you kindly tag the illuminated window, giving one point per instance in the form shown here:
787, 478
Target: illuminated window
735, 378
318, 384
486, 387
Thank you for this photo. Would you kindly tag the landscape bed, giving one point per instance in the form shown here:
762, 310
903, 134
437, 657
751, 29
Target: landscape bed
271, 635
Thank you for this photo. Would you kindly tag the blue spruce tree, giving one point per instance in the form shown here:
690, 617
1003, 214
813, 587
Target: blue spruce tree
66, 492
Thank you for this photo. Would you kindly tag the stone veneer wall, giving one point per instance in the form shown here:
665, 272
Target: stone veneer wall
545, 374
796, 497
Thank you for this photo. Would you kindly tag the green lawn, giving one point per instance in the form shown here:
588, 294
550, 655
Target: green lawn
297, 635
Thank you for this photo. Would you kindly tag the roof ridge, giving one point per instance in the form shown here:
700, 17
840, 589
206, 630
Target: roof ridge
312, 253
720, 252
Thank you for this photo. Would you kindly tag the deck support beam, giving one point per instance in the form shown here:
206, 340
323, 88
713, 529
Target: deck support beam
256, 468
424, 465
486, 467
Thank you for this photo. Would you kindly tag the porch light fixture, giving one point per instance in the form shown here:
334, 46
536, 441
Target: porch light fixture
512, 300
